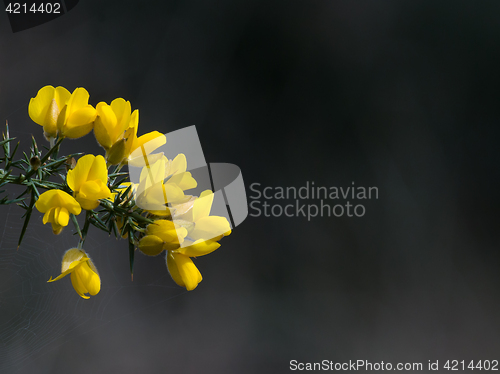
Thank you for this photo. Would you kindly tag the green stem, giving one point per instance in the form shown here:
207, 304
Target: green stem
85, 229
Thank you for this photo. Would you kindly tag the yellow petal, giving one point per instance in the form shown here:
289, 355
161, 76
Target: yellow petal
39, 105
151, 245
87, 204
98, 171
90, 279
140, 159
134, 121
71, 268
89, 190
48, 215
202, 205
167, 231
56, 229
179, 164
62, 216
78, 285
107, 115
78, 175
79, 99
122, 109
149, 142
210, 228
50, 122
62, 96
57, 198
185, 181
199, 248
102, 129
70, 256
79, 123
187, 270
173, 270
172, 193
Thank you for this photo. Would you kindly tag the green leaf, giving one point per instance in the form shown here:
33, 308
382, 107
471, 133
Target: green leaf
77, 226
27, 218
131, 252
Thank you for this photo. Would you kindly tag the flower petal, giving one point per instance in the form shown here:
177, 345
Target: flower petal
185, 181
188, 271
202, 205
54, 198
79, 99
71, 268
173, 270
122, 109
78, 175
210, 227
178, 165
98, 171
78, 285
167, 231
151, 245
90, 279
149, 142
61, 216
79, 123
39, 105
199, 248
70, 256
62, 96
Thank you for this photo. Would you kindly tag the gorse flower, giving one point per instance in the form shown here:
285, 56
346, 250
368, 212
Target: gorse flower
153, 212
88, 180
204, 226
112, 121
162, 235
45, 107
182, 270
57, 206
113, 129
141, 148
77, 117
162, 183
84, 275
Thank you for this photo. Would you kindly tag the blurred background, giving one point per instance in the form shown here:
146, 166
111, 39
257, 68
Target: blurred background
399, 95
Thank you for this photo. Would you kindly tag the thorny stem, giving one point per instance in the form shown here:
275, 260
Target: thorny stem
85, 229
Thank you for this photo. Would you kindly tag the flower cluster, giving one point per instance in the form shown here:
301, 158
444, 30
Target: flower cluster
154, 214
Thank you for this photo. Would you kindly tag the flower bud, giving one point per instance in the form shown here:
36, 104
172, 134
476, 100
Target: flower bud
70, 164
116, 153
35, 162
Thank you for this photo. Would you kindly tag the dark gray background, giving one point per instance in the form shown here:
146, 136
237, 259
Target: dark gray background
399, 95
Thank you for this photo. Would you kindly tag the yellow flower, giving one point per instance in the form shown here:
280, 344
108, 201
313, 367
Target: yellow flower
84, 275
114, 128
139, 150
205, 226
162, 183
162, 235
57, 205
88, 181
44, 109
183, 271
77, 117
111, 122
